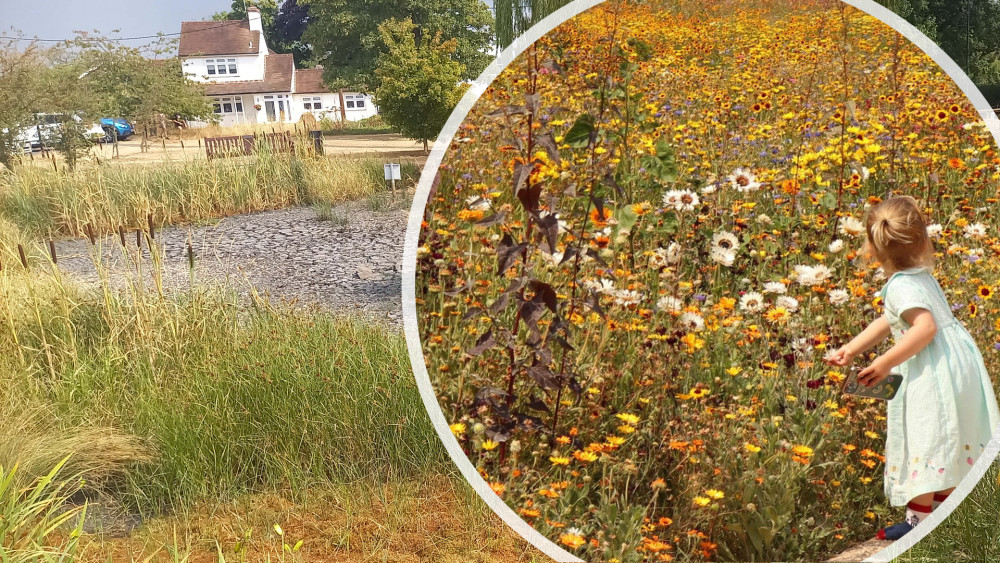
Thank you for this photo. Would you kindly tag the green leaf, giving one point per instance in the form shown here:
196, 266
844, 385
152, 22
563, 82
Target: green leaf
828, 201
626, 217
579, 134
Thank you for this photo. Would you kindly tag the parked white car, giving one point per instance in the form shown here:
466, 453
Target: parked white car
48, 126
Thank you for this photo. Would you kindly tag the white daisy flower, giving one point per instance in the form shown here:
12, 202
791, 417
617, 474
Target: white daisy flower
692, 321
725, 240
790, 303
743, 181
680, 200
839, 296
626, 297
775, 287
723, 256
836, 246
477, 203
975, 230
752, 302
851, 227
669, 303
802, 346
813, 275
673, 253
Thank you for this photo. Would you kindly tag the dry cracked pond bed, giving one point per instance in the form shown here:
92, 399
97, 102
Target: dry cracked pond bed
345, 260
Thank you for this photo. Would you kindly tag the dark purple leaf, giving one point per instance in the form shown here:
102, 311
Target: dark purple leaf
484, 343
544, 377
492, 220
544, 294
549, 226
547, 142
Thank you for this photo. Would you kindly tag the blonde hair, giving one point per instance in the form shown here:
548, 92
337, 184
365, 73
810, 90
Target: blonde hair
897, 234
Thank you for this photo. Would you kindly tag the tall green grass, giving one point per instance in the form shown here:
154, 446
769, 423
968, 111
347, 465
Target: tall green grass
31, 517
219, 399
971, 532
43, 202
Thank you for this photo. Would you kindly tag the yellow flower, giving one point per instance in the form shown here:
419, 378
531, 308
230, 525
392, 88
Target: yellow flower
490, 445
557, 460
751, 448
574, 541
871, 434
715, 494
702, 501
584, 456
458, 428
628, 418
804, 451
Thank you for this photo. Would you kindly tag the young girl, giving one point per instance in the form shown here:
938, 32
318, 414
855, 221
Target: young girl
945, 410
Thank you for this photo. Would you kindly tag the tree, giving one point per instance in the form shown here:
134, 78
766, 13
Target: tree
418, 82
122, 82
20, 92
967, 30
347, 41
514, 17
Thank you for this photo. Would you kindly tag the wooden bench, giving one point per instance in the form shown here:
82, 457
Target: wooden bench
246, 145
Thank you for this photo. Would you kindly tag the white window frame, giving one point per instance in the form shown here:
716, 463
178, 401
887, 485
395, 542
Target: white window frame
235, 104
354, 101
312, 104
222, 67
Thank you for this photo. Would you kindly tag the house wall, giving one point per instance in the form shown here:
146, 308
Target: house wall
331, 105
248, 67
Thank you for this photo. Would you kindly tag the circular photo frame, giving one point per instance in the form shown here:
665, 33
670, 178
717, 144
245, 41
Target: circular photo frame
661, 167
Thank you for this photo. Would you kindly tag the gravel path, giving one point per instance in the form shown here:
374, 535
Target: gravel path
347, 264
862, 551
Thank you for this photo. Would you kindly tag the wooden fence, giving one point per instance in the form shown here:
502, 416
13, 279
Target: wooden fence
245, 145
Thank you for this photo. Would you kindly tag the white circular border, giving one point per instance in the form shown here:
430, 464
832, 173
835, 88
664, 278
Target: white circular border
411, 329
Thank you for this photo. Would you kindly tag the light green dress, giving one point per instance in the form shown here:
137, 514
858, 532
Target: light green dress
945, 410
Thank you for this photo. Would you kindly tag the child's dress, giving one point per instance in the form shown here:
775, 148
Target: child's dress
945, 410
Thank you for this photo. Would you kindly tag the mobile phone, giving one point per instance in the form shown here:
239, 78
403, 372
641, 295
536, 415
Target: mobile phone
884, 391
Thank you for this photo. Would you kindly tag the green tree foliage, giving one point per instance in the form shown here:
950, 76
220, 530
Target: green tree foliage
346, 38
968, 30
514, 17
119, 81
418, 81
20, 71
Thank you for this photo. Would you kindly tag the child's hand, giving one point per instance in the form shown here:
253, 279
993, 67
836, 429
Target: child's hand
840, 357
873, 374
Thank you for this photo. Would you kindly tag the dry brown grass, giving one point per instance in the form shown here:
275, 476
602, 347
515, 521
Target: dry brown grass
32, 443
436, 520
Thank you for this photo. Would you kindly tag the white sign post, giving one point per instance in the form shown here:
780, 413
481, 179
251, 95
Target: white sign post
392, 174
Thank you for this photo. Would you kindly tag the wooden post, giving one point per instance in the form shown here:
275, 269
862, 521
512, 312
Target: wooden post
343, 106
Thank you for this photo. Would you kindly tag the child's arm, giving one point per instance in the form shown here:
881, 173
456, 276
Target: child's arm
921, 332
875, 333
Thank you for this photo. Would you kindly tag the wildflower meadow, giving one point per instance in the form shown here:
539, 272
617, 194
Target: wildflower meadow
643, 240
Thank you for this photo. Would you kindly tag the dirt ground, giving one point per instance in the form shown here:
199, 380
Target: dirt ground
386, 145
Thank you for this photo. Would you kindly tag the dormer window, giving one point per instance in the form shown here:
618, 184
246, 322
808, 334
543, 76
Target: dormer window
221, 66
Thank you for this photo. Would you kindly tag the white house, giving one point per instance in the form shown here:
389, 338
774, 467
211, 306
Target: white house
249, 83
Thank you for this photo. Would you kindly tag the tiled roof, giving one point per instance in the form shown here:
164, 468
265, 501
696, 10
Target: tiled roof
309, 81
229, 37
278, 71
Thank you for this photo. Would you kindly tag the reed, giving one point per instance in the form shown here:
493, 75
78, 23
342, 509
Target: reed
36, 202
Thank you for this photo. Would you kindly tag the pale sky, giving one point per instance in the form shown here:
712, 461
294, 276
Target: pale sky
58, 19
